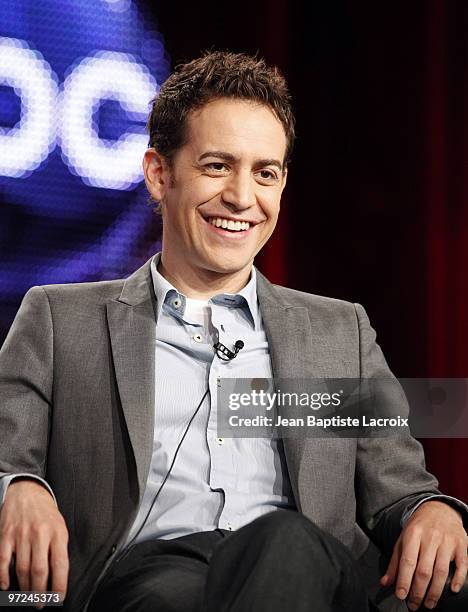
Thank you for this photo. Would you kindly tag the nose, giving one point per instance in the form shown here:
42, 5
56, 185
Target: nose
238, 192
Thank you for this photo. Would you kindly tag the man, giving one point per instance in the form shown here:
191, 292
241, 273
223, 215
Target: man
108, 397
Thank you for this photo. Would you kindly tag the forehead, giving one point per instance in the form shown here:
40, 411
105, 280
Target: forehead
236, 126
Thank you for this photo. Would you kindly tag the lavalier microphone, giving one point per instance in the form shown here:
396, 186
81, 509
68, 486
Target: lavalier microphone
226, 354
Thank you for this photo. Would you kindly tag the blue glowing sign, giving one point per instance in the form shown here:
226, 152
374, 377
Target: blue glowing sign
76, 81
65, 113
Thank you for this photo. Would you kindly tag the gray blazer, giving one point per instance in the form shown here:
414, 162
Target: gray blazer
77, 408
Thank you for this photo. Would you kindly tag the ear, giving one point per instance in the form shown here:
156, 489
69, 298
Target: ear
157, 174
284, 178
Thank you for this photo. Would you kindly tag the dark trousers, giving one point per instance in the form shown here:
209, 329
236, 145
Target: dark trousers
279, 562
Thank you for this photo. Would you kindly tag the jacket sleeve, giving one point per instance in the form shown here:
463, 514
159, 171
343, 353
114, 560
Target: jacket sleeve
391, 476
26, 383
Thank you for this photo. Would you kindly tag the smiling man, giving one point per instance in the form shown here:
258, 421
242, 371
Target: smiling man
108, 404
220, 194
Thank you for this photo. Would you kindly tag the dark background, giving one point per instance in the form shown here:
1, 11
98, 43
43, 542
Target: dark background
376, 207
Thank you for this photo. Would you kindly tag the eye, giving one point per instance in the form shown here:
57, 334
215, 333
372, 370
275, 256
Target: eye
216, 167
267, 176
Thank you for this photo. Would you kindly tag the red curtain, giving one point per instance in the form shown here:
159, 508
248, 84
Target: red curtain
382, 101
446, 229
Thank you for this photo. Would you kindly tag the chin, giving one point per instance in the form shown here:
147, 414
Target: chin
228, 266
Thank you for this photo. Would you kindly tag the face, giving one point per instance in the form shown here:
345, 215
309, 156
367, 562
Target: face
220, 198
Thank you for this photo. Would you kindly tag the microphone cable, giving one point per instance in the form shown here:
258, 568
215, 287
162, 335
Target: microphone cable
129, 545
225, 355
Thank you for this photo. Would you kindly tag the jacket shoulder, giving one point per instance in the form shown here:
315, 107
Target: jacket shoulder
81, 294
318, 303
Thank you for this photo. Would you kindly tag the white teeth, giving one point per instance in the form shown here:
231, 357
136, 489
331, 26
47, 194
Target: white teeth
235, 226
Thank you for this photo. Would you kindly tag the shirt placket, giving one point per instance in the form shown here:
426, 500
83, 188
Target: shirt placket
223, 469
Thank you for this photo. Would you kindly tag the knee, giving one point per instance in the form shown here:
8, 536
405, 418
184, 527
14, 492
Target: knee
294, 532
285, 524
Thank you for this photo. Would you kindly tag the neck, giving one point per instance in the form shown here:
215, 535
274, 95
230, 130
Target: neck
202, 284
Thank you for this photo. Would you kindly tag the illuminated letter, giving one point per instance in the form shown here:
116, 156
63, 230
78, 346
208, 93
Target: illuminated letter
105, 76
24, 146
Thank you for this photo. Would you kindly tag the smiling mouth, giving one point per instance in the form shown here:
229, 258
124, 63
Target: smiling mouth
229, 224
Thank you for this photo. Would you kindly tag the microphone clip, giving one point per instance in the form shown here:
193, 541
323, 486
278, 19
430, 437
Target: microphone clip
226, 354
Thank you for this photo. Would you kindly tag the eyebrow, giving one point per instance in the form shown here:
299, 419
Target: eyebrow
229, 157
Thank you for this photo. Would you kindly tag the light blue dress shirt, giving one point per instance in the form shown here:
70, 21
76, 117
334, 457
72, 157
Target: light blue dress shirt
215, 482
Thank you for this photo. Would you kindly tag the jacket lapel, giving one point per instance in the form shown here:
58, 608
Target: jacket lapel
288, 332
299, 343
300, 349
132, 323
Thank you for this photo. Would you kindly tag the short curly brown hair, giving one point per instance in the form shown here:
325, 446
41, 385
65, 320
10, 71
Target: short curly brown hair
218, 74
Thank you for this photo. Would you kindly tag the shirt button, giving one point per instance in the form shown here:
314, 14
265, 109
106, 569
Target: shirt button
112, 551
229, 526
198, 337
220, 441
177, 302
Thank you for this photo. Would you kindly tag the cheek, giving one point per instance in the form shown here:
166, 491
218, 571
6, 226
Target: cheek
208, 190
271, 208
202, 188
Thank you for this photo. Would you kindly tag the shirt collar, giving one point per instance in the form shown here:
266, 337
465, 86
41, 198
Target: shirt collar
167, 294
